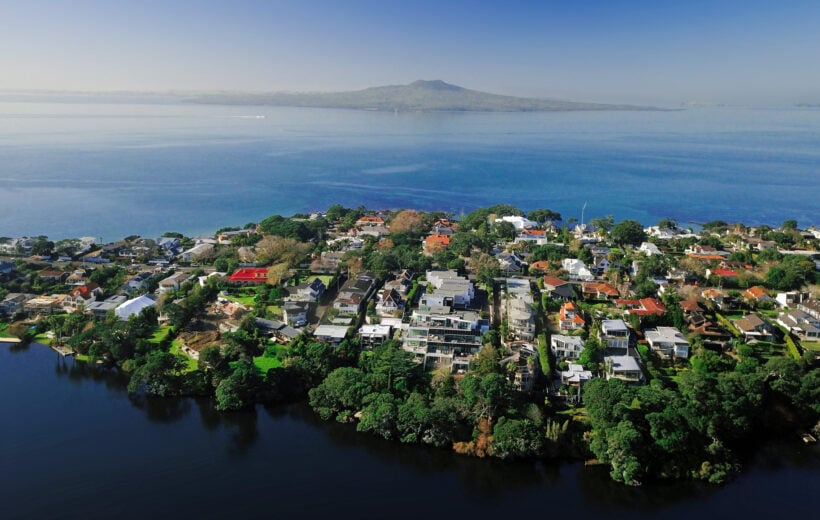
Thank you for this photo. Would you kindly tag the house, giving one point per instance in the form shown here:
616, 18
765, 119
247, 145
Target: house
643, 307
133, 306
614, 335
540, 266
792, 298
649, 249
390, 303
370, 221
520, 223
296, 313
6, 267
374, 335
226, 236
625, 368
435, 243
443, 227
725, 274
558, 288
570, 317
100, 309
810, 307
804, 325
198, 253
449, 289
333, 334
309, 291
757, 293
566, 347
442, 337
80, 297
173, 282
668, 342
249, 275
14, 303
753, 327
520, 318
44, 305
576, 269
276, 329
52, 275
575, 375
599, 290
524, 358
137, 282
354, 294
510, 262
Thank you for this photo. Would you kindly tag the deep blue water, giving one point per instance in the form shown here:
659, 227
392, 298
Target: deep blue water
111, 170
73, 445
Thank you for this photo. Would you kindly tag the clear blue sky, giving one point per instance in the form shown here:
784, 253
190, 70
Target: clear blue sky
609, 51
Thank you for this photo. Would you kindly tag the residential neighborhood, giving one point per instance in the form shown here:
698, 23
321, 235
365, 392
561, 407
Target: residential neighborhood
547, 308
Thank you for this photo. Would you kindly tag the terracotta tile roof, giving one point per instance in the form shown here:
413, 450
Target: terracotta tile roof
540, 265
690, 306
726, 273
437, 240
553, 281
705, 257
600, 288
755, 293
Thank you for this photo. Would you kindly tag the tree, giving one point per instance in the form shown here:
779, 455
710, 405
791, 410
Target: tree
789, 225
238, 390
486, 268
379, 416
407, 221
517, 438
340, 394
158, 376
542, 215
628, 232
503, 230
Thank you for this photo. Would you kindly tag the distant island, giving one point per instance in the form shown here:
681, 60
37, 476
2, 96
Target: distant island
419, 96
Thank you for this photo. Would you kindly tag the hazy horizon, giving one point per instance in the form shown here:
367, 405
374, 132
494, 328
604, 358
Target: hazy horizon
643, 52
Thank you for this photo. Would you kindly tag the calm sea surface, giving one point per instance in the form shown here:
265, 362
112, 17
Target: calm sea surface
112, 170
73, 445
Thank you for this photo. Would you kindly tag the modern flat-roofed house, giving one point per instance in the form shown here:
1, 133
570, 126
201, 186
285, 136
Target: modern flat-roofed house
625, 368
668, 342
100, 309
615, 335
375, 335
806, 326
566, 347
333, 334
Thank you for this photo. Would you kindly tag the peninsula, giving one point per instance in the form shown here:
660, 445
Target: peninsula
658, 351
419, 96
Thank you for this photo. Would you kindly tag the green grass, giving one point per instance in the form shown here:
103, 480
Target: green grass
160, 334
325, 278
814, 346
191, 363
263, 363
83, 357
42, 338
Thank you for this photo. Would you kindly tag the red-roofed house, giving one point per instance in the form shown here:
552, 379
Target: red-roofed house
643, 307
541, 265
435, 243
82, 295
723, 273
599, 290
570, 317
369, 220
757, 293
250, 275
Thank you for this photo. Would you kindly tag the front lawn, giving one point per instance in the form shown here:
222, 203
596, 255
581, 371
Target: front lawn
190, 363
264, 363
814, 346
160, 334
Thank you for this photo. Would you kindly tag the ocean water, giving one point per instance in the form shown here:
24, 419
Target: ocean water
112, 170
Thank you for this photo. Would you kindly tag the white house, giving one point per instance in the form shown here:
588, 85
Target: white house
566, 347
577, 269
133, 306
520, 223
625, 368
615, 334
668, 342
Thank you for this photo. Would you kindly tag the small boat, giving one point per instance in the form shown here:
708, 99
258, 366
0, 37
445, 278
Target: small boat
808, 438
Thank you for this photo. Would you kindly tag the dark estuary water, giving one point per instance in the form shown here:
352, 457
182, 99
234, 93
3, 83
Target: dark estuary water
74, 445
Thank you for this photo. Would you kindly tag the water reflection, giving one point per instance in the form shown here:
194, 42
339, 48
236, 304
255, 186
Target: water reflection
163, 410
242, 424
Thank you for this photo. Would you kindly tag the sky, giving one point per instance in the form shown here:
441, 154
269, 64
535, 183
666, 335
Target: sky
616, 51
